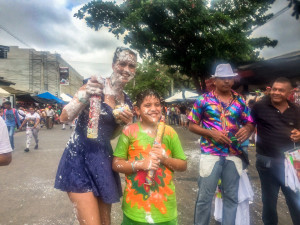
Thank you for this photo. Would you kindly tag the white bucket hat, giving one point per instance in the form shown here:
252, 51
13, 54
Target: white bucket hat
224, 70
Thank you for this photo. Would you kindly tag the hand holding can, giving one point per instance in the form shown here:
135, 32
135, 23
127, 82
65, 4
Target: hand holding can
158, 140
94, 113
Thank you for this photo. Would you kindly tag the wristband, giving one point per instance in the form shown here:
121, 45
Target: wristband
150, 164
164, 153
133, 166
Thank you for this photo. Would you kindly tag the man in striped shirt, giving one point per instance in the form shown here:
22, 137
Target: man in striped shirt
278, 125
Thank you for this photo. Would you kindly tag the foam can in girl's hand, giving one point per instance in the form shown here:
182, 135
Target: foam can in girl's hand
94, 114
158, 140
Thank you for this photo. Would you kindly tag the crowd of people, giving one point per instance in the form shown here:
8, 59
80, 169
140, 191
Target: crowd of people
31, 118
177, 114
149, 154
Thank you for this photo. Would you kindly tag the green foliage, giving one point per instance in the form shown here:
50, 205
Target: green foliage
295, 4
187, 35
150, 75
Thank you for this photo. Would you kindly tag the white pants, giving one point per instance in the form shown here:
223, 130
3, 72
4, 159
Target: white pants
29, 133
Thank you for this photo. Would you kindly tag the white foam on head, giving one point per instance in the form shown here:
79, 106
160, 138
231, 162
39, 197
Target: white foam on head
123, 57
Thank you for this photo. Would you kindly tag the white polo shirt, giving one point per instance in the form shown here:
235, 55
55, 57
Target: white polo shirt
4, 139
31, 119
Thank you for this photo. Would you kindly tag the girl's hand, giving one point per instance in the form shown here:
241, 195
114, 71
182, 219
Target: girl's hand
160, 152
149, 163
126, 117
94, 86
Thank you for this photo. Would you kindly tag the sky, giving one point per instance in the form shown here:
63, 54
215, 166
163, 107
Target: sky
49, 25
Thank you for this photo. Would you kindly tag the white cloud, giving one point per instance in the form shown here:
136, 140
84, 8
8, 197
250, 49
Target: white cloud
50, 26
284, 28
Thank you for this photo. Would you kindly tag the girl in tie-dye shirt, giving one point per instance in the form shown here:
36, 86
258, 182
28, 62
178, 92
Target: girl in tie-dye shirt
135, 154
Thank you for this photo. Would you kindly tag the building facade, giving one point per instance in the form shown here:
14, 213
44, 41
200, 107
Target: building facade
38, 71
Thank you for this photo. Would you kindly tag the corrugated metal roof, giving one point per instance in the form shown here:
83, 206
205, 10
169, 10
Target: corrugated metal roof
5, 82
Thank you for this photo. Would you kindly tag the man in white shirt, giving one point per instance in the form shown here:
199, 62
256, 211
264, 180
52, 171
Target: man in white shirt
5, 147
50, 117
32, 120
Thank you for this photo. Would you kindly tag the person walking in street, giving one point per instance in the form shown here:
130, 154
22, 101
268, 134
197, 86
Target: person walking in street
32, 120
225, 124
43, 116
176, 115
183, 116
172, 116
5, 147
85, 169
12, 120
50, 117
278, 129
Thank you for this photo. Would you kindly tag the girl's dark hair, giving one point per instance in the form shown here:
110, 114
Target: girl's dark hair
142, 95
121, 49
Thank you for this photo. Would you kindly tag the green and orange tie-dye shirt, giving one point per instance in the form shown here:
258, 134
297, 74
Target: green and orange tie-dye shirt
141, 202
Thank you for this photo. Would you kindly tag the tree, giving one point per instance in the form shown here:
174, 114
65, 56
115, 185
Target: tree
187, 35
296, 7
150, 75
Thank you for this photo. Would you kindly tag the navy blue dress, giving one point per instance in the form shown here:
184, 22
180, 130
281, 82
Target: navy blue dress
86, 164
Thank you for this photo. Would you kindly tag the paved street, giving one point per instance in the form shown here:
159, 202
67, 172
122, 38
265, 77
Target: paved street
27, 195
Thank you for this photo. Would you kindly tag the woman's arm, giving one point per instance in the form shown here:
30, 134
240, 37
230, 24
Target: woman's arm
81, 100
25, 121
36, 123
75, 106
72, 110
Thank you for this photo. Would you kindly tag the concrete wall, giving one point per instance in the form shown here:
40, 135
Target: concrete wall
16, 67
38, 71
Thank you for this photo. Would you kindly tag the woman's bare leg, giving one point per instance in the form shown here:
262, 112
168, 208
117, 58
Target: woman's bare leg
87, 208
105, 211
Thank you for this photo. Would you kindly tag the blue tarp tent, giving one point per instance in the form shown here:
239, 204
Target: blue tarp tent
48, 95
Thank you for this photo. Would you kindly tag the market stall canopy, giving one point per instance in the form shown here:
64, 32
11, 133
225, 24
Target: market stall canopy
48, 95
29, 98
65, 97
264, 72
4, 93
182, 96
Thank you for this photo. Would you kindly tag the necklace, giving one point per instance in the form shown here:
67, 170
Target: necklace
224, 106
